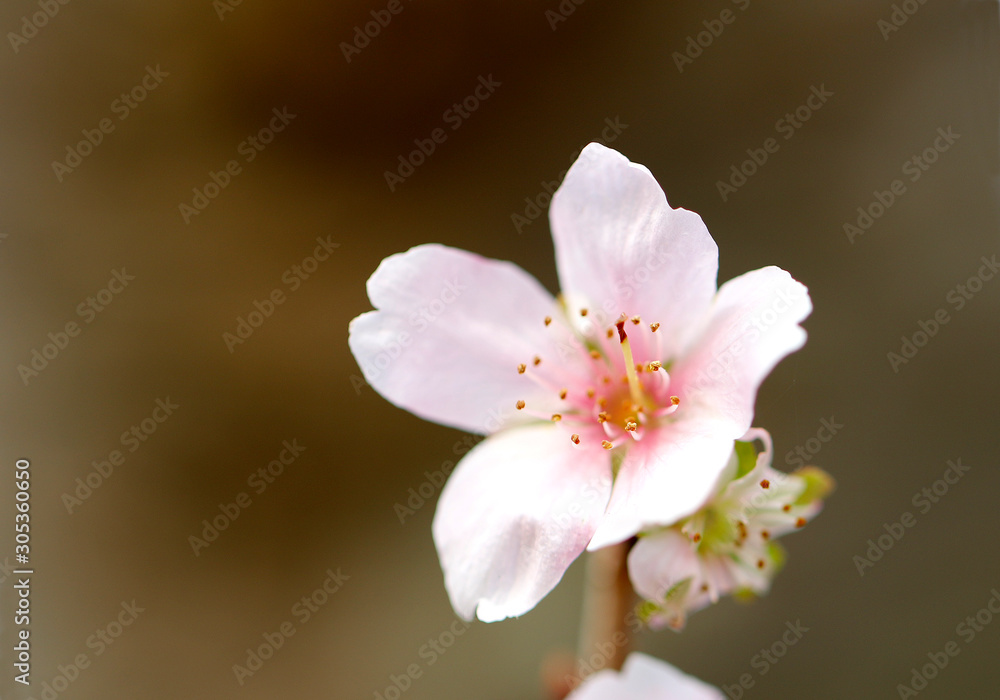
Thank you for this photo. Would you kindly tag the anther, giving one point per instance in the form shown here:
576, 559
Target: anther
602, 417
760, 564
595, 354
654, 327
697, 538
801, 522
636, 320
575, 438
631, 426
583, 312
655, 366
590, 393
548, 320
611, 333
521, 368
556, 418
606, 444
786, 508
675, 400
537, 361
765, 484
562, 394
764, 534
520, 405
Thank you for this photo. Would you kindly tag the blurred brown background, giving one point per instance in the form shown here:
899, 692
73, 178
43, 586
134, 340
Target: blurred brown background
332, 508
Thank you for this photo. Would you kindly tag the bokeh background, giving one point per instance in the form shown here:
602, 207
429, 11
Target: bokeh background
333, 508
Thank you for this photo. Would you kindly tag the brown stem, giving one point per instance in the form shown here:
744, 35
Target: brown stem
607, 600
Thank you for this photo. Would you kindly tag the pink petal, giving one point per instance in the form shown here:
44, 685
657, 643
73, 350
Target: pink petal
644, 678
753, 325
665, 477
659, 561
621, 248
519, 508
448, 335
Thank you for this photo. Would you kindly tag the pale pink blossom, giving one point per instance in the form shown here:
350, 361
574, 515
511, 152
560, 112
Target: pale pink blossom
641, 374
644, 678
728, 545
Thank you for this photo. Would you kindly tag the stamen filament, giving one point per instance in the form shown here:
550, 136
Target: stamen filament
635, 389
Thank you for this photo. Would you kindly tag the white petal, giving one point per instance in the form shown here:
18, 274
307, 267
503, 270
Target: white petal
519, 508
448, 335
752, 326
645, 678
664, 478
620, 246
659, 561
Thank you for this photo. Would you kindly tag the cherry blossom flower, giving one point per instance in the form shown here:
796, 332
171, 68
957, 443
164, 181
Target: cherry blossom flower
728, 545
609, 410
644, 678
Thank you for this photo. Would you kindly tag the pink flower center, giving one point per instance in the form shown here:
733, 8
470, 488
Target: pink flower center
624, 393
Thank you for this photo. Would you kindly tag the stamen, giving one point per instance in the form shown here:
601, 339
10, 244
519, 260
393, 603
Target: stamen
548, 320
634, 387
562, 393
636, 320
556, 418
631, 426
611, 333
520, 405
602, 417
697, 538
760, 564
764, 534
575, 437
801, 522
786, 508
655, 366
583, 312
595, 354
606, 444
537, 361
765, 484
654, 327
521, 368
590, 393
